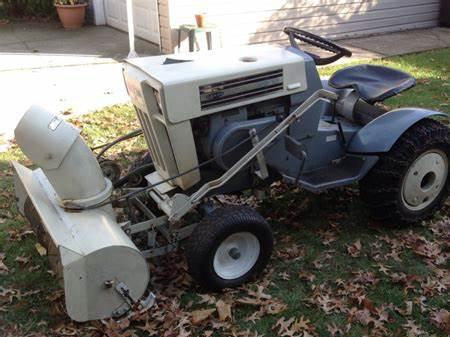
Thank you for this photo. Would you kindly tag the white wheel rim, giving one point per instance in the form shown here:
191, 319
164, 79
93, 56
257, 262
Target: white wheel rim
425, 180
236, 255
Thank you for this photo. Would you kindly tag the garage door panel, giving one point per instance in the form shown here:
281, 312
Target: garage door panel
145, 15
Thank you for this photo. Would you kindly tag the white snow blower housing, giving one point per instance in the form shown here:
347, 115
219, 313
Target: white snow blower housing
221, 122
89, 249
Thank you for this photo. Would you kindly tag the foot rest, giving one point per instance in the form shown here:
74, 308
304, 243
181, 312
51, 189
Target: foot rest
347, 171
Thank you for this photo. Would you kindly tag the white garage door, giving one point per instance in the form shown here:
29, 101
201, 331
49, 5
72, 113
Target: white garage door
145, 12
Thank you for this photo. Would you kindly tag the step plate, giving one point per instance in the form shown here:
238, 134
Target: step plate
349, 170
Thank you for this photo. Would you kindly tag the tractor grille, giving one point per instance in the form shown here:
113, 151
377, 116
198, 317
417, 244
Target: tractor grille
144, 119
239, 89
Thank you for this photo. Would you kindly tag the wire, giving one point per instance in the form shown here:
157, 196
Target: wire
149, 187
107, 146
93, 148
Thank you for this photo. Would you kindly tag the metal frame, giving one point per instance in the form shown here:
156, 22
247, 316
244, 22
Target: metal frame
155, 226
177, 206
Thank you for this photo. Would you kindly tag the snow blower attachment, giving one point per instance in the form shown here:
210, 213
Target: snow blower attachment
102, 270
219, 123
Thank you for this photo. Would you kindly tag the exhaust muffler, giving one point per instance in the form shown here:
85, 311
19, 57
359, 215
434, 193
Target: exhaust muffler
103, 272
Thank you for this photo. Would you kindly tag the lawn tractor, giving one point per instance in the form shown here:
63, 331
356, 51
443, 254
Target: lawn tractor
221, 122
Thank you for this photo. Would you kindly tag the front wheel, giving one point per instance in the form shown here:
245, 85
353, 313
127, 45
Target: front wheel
411, 181
228, 247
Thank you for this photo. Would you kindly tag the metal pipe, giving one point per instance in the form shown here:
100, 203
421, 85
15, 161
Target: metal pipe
132, 53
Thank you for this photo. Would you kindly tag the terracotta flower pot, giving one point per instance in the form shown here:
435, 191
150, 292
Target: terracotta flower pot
201, 20
71, 16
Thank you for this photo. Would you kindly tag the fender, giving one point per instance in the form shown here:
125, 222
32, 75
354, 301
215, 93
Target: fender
381, 134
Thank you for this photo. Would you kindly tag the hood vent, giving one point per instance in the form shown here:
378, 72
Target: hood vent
239, 89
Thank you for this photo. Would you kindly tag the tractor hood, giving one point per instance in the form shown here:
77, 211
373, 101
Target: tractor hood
196, 84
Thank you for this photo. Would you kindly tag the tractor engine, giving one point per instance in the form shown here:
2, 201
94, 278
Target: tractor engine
200, 107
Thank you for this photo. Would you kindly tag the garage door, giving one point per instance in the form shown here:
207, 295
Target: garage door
145, 12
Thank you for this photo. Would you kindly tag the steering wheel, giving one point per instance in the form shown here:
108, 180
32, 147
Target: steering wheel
319, 42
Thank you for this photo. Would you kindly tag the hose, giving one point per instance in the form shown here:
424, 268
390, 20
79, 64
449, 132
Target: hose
107, 146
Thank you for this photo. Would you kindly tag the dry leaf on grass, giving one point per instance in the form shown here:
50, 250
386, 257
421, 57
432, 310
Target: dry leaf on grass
441, 319
22, 259
224, 310
307, 276
3, 268
40, 249
412, 329
205, 298
294, 327
354, 250
200, 315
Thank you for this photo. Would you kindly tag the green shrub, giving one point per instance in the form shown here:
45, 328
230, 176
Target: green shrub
21, 8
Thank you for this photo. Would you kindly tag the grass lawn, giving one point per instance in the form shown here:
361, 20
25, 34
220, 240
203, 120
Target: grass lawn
334, 271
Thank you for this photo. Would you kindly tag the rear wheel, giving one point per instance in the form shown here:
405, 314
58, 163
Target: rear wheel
411, 181
228, 247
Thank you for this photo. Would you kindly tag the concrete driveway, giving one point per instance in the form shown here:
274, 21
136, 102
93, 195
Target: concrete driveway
76, 71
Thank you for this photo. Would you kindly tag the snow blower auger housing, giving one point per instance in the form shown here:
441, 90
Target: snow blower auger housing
216, 123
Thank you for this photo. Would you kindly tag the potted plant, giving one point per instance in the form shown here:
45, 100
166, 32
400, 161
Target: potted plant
71, 13
201, 20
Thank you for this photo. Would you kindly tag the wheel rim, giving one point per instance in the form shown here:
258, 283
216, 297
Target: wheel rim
425, 180
236, 255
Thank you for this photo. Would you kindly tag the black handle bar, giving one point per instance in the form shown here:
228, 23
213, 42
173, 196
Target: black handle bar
319, 42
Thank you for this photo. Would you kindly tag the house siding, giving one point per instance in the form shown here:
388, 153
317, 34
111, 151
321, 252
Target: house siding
262, 21
164, 26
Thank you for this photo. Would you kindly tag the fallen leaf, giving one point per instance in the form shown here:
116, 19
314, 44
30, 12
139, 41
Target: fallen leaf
224, 310
40, 249
200, 315
283, 325
409, 308
334, 330
274, 307
34, 268
205, 298
22, 259
368, 304
354, 250
285, 276
441, 319
413, 330
3, 268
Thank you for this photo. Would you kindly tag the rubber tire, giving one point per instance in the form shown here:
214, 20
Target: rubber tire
381, 188
210, 233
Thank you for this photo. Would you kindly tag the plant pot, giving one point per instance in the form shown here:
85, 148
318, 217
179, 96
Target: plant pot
201, 20
71, 16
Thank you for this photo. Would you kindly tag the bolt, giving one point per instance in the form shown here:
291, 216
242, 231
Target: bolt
108, 284
234, 253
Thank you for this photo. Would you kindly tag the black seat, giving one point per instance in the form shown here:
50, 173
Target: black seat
373, 83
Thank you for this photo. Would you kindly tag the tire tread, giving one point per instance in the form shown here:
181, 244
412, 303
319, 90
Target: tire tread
382, 185
210, 230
